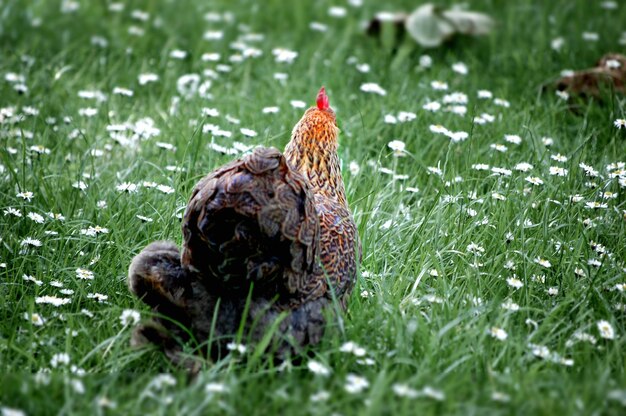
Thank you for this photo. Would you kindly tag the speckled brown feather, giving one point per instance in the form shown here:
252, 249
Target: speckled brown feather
274, 227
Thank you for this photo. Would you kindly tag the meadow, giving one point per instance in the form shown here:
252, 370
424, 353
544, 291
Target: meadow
492, 215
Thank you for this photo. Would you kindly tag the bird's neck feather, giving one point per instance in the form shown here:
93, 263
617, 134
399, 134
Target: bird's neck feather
312, 151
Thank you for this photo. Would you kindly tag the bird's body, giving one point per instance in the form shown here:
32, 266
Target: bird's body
268, 242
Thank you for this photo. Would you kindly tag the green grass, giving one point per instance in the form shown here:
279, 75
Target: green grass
418, 330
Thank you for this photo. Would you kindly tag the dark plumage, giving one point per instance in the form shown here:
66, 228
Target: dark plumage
270, 228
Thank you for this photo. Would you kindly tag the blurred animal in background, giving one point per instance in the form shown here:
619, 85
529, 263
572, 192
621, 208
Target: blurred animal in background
609, 75
430, 25
269, 244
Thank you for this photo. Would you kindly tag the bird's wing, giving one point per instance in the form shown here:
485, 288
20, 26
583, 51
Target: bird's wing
339, 245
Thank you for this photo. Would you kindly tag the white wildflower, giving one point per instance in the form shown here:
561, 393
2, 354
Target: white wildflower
234, 346
129, 317
534, 180
498, 333
318, 368
60, 359
605, 329
39, 219
353, 348
34, 318
543, 262
403, 390
355, 384
373, 88
398, 147
127, 187
475, 249
84, 274
27, 195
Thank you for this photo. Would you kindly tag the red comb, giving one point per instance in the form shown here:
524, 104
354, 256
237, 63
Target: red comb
322, 99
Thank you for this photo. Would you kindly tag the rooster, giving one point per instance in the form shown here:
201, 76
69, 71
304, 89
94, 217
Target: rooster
269, 244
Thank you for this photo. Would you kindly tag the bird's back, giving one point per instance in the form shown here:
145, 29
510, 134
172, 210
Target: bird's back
253, 221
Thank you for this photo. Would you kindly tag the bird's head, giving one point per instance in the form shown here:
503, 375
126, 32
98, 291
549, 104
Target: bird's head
319, 122
322, 100
322, 110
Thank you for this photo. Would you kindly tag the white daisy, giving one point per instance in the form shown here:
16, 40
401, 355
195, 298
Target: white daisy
606, 330
498, 333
